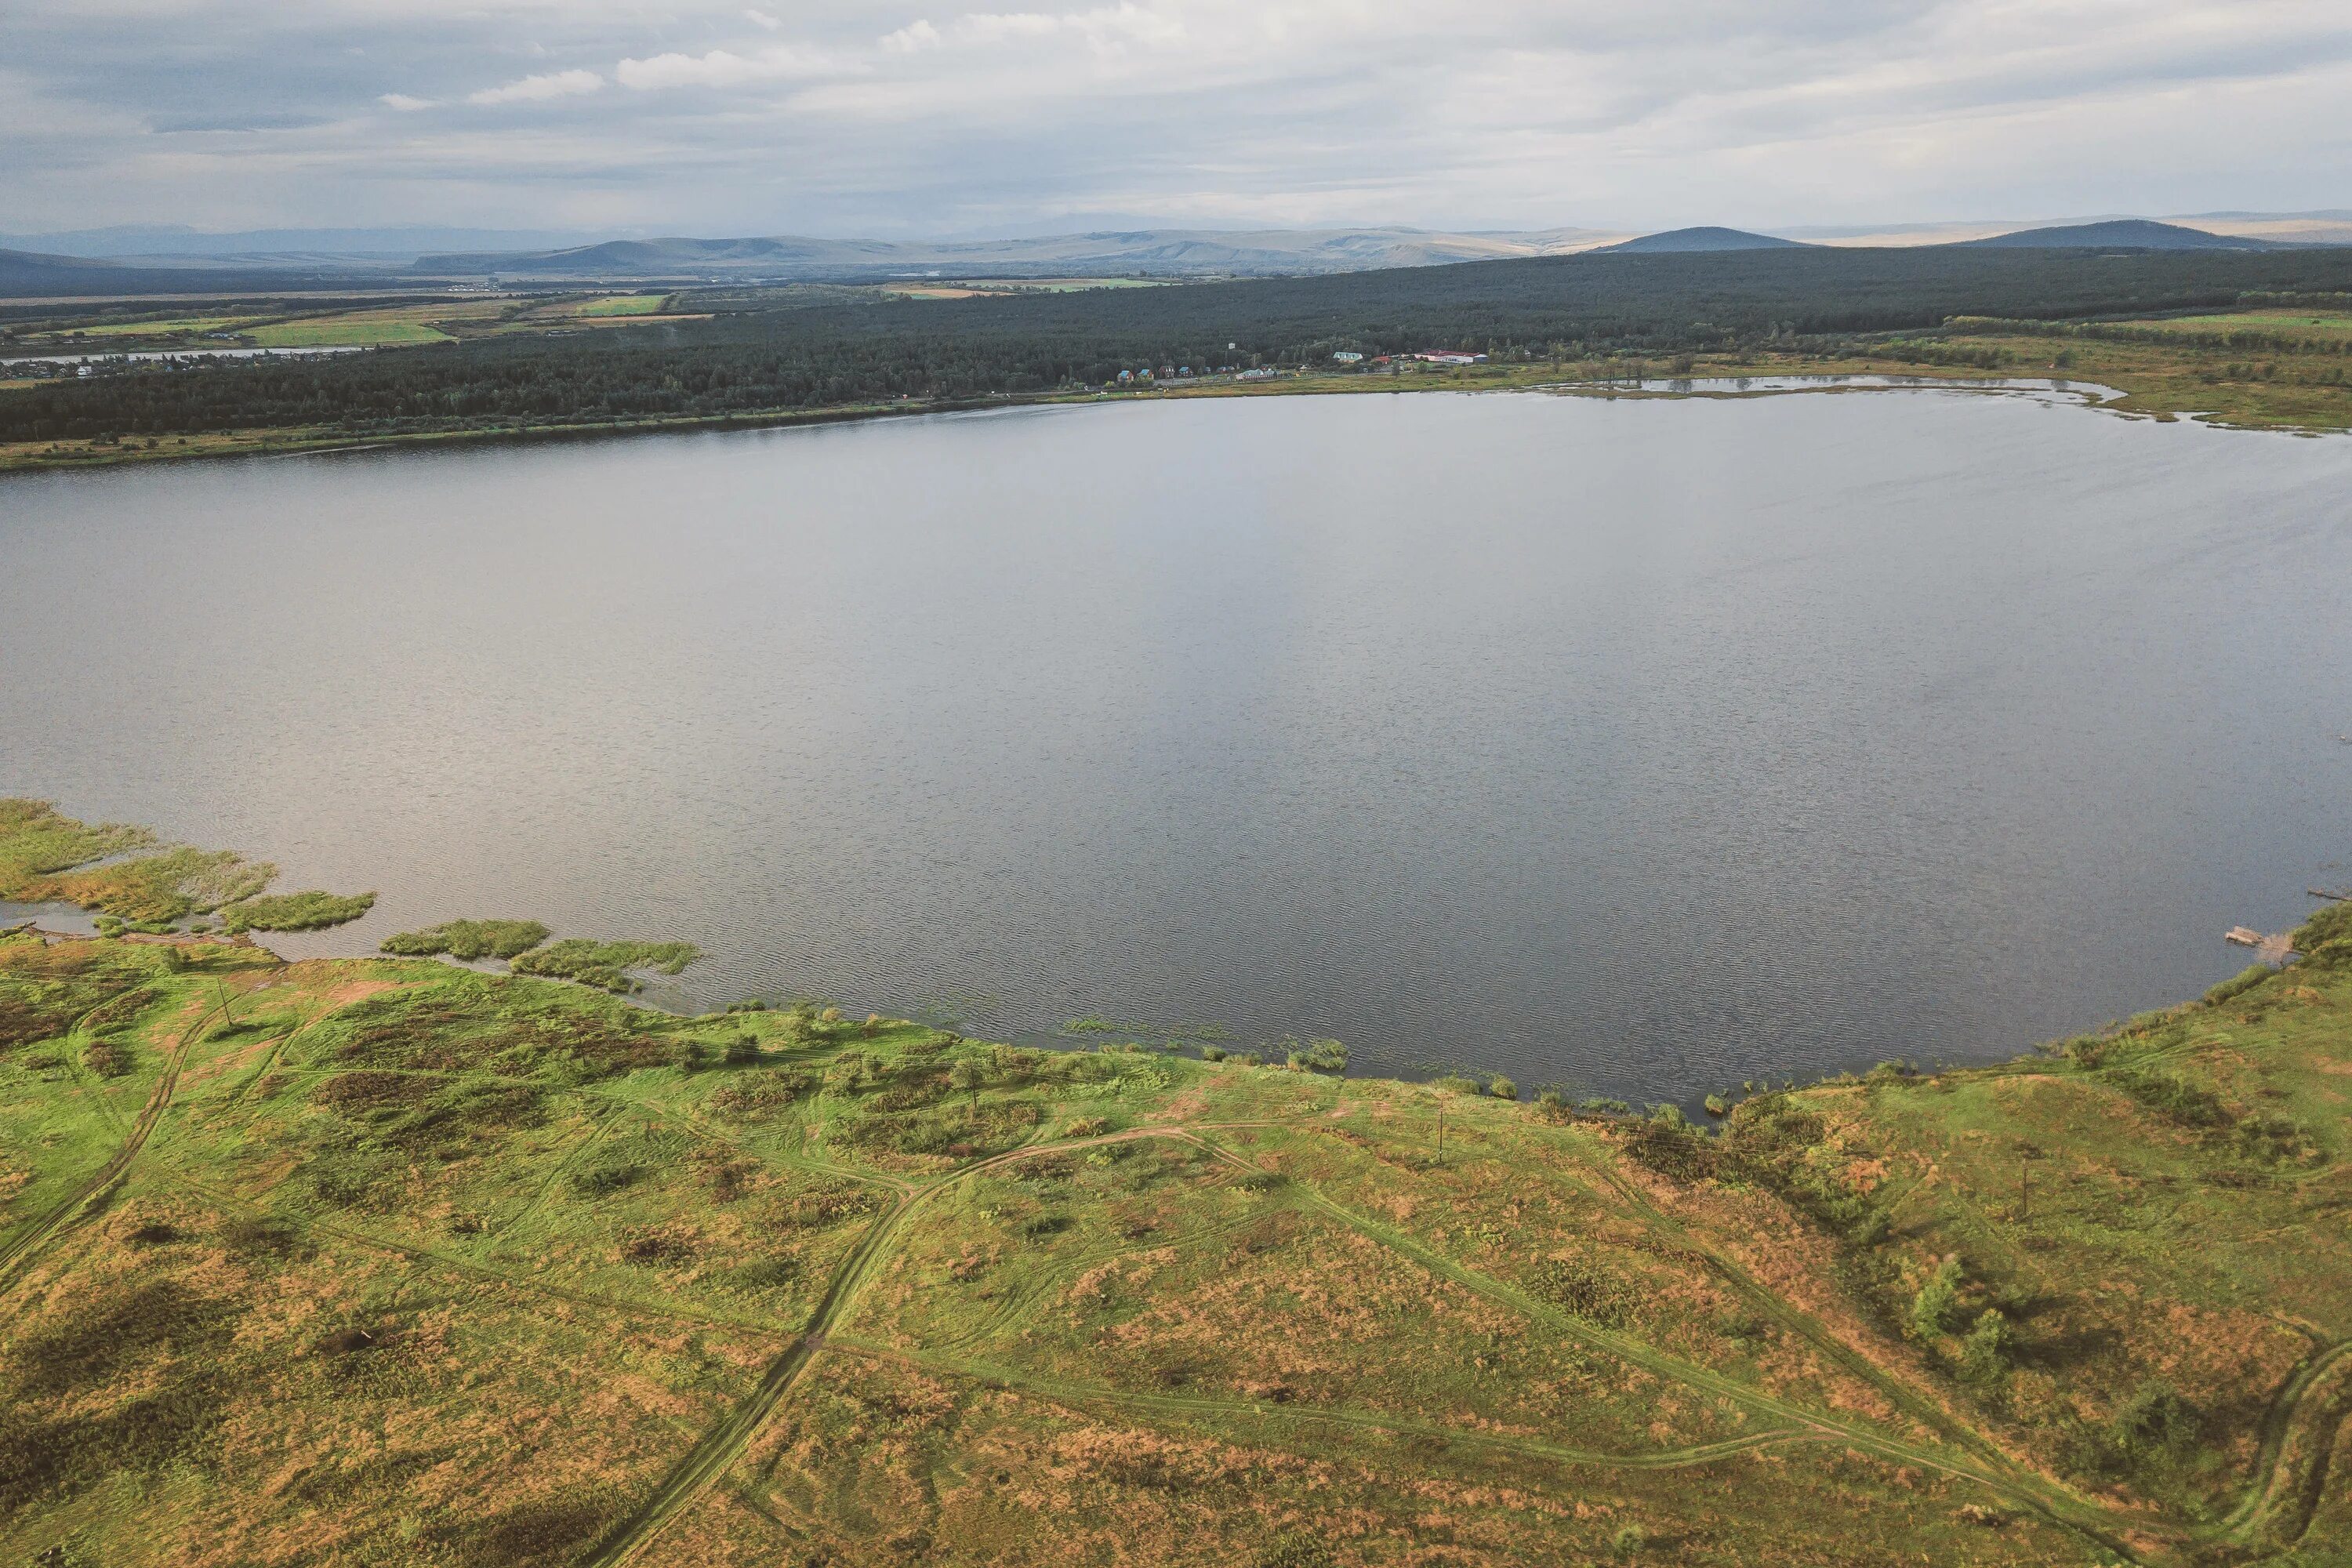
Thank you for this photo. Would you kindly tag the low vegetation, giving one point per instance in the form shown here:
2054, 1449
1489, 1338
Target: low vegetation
387, 1260
311, 911
469, 940
606, 964
48, 859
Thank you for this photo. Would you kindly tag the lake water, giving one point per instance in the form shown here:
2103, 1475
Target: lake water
1651, 746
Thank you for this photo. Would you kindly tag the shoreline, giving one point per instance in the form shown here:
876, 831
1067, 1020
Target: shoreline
1707, 382
2039, 1055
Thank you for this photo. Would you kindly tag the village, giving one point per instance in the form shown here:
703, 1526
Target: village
1180, 373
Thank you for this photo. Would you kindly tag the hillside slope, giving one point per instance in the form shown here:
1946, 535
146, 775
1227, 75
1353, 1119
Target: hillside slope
390, 1260
2119, 234
1687, 241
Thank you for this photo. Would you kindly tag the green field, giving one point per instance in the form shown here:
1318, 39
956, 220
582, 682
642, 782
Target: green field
390, 1260
357, 328
621, 305
174, 327
2330, 324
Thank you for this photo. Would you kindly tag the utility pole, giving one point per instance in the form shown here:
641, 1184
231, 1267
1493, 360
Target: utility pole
1441, 1131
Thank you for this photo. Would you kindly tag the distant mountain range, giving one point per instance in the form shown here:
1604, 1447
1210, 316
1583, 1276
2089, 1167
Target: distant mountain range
2112, 234
1175, 253
35, 275
1181, 253
181, 260
192, 247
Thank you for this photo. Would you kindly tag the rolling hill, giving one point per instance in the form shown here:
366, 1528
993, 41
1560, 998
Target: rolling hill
1684, 241
1158, 252
2121, 234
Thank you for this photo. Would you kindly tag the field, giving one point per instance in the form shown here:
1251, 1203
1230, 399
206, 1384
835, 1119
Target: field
1008, 288
172, 327
390, 1260
370, 325
2330, 324
621, 305
374, 328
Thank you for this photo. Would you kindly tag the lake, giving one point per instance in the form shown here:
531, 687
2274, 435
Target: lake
1645, 745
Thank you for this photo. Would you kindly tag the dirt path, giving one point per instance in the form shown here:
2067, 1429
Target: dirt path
27, 1243
2276, 1511
722, 1444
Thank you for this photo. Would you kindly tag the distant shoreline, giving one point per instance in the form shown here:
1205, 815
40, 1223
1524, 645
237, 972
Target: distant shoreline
1831, 376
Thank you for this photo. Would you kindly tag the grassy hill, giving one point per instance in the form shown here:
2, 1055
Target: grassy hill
395, 1261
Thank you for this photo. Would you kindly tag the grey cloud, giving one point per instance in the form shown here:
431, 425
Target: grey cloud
709, 115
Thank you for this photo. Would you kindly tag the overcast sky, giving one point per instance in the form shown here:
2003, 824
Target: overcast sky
902, 117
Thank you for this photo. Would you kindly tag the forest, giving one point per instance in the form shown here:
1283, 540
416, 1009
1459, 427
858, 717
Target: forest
756, 353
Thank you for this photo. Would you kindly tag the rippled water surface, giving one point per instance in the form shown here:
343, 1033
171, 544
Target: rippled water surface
1651, 746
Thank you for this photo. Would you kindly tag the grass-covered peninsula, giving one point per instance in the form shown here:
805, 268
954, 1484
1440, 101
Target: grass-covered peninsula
392, 1260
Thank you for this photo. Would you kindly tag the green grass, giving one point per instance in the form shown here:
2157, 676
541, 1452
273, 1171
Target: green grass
621, 305
341, 330
605, 965
387, 1261
2327, 324
47, 858
35, 842
311, 911
176, 326
468, 940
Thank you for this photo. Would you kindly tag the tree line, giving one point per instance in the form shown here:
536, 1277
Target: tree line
756, 358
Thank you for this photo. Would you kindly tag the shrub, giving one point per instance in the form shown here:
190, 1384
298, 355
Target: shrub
924, 1136
2156, 1421
107, 1058
1503, 1088
1213, 1053
763, 1092
1582, 1287
1293, 1549
2172, 1097
2271, 1139
1629, 1539
1717, 1106
1984, 1354
1454, 1083
2238, 985
766, 1273
1321, 1055
600, 1181
1937, 1307
743, 1050
1672, 1147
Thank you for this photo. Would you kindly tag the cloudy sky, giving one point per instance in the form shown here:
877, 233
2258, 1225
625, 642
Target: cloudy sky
906, 117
